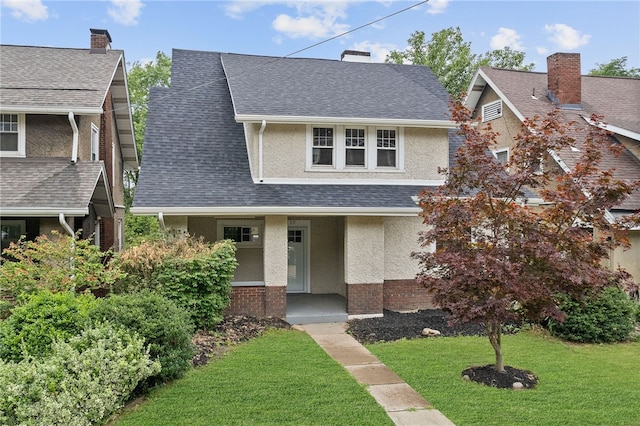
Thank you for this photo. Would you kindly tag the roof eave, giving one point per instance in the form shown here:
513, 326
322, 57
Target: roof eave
57, 110
292, 119
43, 211
276, 210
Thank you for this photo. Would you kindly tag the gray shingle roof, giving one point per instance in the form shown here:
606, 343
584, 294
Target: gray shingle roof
262, 85
195, 153
50, 185
56, 77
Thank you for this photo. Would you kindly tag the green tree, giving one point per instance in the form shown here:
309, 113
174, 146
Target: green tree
507, 59
141, 78
497, 258
616, 68
451, 60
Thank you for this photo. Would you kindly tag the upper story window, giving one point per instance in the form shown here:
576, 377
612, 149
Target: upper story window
12, 135
492, 110
351, 148
502, 155
95, 143
355, 147
386, 143
323, 146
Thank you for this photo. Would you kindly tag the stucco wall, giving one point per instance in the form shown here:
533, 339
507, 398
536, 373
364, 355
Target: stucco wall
275, 251
364, 250
424, 151
400, 240
629, 259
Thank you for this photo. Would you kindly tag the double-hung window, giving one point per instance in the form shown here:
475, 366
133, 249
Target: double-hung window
387, 147
502, 155
323, 144
245, 233
355, 144
12, 135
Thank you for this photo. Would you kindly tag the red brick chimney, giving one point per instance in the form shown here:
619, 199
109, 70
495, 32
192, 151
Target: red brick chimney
564, 81
100, 41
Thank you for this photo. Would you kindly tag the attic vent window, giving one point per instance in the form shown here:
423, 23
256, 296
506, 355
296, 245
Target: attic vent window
491, 111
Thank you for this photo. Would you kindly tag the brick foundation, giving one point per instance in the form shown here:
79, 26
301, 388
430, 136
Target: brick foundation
363, 299
258, 301
406, 295
247, 301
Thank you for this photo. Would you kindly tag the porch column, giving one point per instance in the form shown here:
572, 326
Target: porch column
364, 264
275, 266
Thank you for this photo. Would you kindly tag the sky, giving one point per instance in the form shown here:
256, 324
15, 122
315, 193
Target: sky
599, 30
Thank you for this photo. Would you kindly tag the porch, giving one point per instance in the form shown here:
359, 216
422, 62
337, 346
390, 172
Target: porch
316, 308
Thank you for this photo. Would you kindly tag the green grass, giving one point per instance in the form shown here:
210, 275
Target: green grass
579, 384
281, 378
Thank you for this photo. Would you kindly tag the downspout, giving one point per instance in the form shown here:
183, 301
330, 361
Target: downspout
74, 149
260, 144
161, 220
66, 227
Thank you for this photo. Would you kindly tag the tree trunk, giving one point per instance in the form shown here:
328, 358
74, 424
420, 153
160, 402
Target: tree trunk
494, 329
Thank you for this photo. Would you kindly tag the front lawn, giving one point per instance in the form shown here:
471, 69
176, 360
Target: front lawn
579, 384
280, 378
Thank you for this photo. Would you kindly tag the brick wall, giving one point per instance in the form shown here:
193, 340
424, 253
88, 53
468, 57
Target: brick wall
275, 301
406, 295
247, 301
364, 299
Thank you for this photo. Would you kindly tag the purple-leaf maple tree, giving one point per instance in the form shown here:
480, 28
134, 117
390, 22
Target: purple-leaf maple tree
510, 238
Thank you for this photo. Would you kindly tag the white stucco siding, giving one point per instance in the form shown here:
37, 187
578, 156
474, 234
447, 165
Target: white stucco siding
275, 250
364, 250
177, 226
400, 240
283, 151
629, 259
425, 150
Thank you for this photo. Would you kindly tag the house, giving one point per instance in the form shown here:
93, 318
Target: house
310, 165
506, 97
66, 138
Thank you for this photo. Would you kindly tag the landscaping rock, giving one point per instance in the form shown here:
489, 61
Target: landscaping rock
430, 332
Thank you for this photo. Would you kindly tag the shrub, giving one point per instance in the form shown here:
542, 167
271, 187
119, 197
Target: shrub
604, 317
83, 382
165, 328
194, 274
60, 263
33, 327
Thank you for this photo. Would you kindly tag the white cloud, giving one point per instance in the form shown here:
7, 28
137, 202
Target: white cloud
379, 51
237, 8
27, 10
437, 6
507, 37
314, 20
125, 12
566, 37
542, 50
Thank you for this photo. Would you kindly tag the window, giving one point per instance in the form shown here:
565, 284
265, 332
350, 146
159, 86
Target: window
355, 146
387, 147
502, 156
246, 233
95, 143
491, 111
322, 146
12, 135
12, 230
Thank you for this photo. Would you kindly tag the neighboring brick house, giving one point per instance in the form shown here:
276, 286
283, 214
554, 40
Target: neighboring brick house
506, 97
66, 138
310, 165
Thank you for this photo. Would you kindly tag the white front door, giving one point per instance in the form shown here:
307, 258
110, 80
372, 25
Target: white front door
297, 265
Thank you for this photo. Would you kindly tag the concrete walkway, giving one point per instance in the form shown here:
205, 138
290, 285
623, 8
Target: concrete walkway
403, 405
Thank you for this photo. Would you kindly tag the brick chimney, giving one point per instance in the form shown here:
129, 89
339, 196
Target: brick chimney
564, 81
100, 41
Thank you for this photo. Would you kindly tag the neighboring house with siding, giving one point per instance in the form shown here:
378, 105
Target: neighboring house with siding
506, 97
310, 165
66, 138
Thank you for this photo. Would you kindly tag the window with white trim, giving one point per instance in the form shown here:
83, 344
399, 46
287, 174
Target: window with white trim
323, 146
355, 144
95, 143
12, 135
502, 155
245, 233
387, 147
492, 110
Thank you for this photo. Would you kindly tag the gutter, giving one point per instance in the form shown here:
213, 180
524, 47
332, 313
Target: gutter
74, 149
273, 210
260, 150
